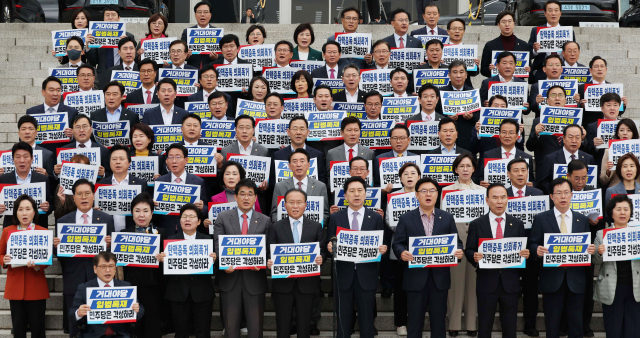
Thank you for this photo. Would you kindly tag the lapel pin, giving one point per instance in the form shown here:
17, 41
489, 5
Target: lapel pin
510, 224
440, 217
369, 216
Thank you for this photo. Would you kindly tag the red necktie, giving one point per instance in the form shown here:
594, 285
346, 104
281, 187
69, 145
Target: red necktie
507, 154
245, 225
519, 193
178, 180
299, 185
401, 42
109, 330
350, 154
432, 32
499, 228
148, 97
333, 76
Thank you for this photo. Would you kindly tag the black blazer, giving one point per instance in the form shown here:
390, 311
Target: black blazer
180, 286
98, 58
593, 116
528, 191
321, 72
10, 178
423, 31
485, 144
484, 87
145, 276
459, 150
280, 233
410, 225
100, 115
551, 278
367, 273
132, 181
104, 155
541, 145
411, 42
487, 280
76, 271
283, 155
137, 96
341, 96
153, 116
538, 60
48, 160
497, 153
533, 105
71, 113
496, 44
199, 97
546, 169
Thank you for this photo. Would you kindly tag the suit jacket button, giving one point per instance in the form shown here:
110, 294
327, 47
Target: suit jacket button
607, 275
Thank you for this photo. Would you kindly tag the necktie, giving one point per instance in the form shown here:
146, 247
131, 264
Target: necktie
82, 145
499, 228
428, 117
50, 110
245, 225
433, 32
399, 155
206, 96
109, 330
127, 68
560, 139
178, 180
296, 236
507, 154
350, 154
85, 217
573, 157
148, 97
563, 225
354, 223
332, 76
299, 185
520, 193
401, 43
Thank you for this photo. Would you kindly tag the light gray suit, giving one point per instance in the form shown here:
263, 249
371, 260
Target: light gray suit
314, 188
604, 289
338, 154
248, 290
234, 148
618, 189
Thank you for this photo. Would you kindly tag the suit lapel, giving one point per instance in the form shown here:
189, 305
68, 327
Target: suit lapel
553, 221
235, 223
253, 223
288, 232
418, 223
306, 230
96, 217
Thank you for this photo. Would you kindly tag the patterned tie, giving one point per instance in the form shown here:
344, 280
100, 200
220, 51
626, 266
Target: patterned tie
109, 331
296, 235
299, 185
148, 97
332, 76
560, 138
563, 225
428, 117
433, 32
178, 180
573, 157
127, 68
507, 154
82, 145
520, 193
350, 154
245, 225
401, 42
86, 218
499, 228
50, 110
354, 223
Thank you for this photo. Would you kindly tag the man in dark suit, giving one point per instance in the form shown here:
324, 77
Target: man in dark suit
400, 39
167, 112
448, 135
426, 288
202, 12
191, 131
552, 67
433, 52
147, 94
248, 17
113, 110
355, 283
127, 52
480, 145
459, 81
560, 287
229, 45
350, 19
298, 132
51, 90
431, 17
400, 140
242, 291
176, 160
104, 267
27, 132
76, 271
571, 54
178, 52
380, 51
572, 138
495, 286
351, 79
295, 293
429, 98
82, 132
507, 41
333, 68
598, 69
208, 78
518, 172
542, 145
609, 110
506, 64
456, 29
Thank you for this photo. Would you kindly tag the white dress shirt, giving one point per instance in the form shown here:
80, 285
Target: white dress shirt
183, 177
346, 151
515, 190
80, 220
567, 155
429, 29
360, 217
567, 219
189, 237
504, 80
494, 223
401, 95
167, 116
119, 221
405, 154
234, 62
305, 183
566, 64
385, 66
124, 66
86, 144
186, 143
512, 153
55, 108
246, 151
177, 67
351, 98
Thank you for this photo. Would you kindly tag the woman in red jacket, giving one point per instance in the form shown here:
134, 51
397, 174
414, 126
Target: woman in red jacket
26, 288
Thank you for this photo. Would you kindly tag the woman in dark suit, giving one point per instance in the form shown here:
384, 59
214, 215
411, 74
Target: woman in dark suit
148, 280
26, 288
303, 36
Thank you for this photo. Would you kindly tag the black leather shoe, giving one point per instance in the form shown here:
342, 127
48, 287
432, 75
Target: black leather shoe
472, 333
532, 333
453, 333
66, 331
313, 330
375, 331
563, 334
386, 293
588, 333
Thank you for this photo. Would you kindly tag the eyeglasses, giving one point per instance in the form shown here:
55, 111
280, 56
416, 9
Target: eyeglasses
301, 129
428, 192
107, 267
176, 51
351, 19
297, 204
147, 71
255, 35
82, 127
229, 47
217, 104
176, 158
401, 139
371, 105
283, 50
402, 21
202, 12
208, 77
562, 193
359, 169
159, 23
189, 217
83, 194
350, 76
456, 29
246, 195
381, 52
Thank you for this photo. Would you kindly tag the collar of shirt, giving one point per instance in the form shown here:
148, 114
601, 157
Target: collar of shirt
351, 98
20, 180
189, 237
444, 150
403, 154
244, 150
301, 220
249, 214
304, 146
360, 214
397, 38
101, 284
223, 118
401, 95
558, 25
435, 30
183, 177
152, 90
206, 93
86, 144
305, 182
385, 67
177, 67
55, 108
165, 112
512, 152
567, 155
207, 26
115, 182
234, 62
515, 190
494, 224
503, 79
566, 64
422, 213
367, 118
115, 112
124, 66
355, 150
457, 89
186, 143
334, 68
80, 220
596, 82
71, 64
90, 89
432, 115
567, 218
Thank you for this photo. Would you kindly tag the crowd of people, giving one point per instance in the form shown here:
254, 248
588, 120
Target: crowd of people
462, 293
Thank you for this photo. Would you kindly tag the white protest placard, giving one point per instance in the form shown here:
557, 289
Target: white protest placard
251, 108
464, 205
425, 38
297, 107
588, 203
111, 133
10, 192
516, 93
592, 94
202, 161
279, 79
136, 249
116, 199
551, 39
389, 167
406, 58
171, 197
522, 61
566, 250
580, 74
313, 211
560, 170
307, 65
376, 79
259, 55
93, 154
354, 45
620, 244
242, 252
570, 90
130, 80
502, 253
34, 246
112, 305
398, 204
272, 133
606, 130
399, 108
439, 167
166, 135
68, 77
526, 208
460, 102
51, 128
215, 209
200, 108
336, 85
188, 257
495, 170
145, 167
283, 172
375, 134
325, 125
355, 109
140, 108
555, 119
372, 200
359, 246
618, 148
6, 160
433, 251
464, 53
218, 133
85, 102
424, 135
234, 78
71, 172
204, 40
81, 240
339, 173
106, 34
156, 49
634, 221
436, 77
256, 167
490, 119
295, 260
185, 79
59, 39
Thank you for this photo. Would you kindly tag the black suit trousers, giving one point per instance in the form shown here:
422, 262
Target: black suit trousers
365, 302
237, 302
621, 317
29, 312
432, 298
284, 305
150, 326
399, 295
73, 324
184, 313
530, 277
555, 302
487, 305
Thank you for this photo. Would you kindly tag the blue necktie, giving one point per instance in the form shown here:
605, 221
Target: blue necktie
296, 235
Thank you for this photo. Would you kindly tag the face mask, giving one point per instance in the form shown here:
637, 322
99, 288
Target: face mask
74, 54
